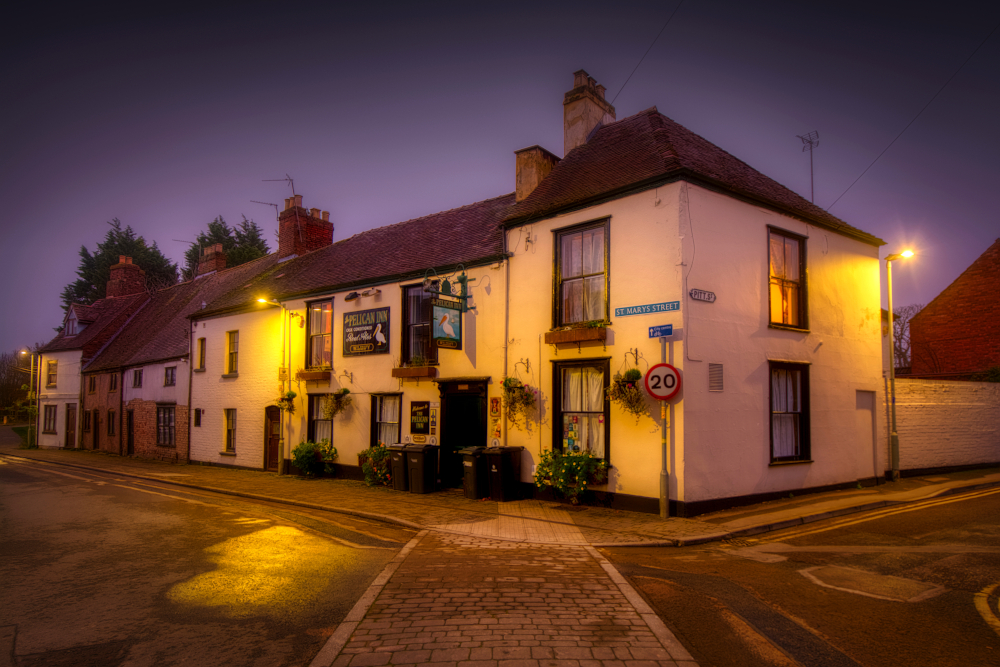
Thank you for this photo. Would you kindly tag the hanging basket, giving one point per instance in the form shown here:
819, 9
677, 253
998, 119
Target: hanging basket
626, 392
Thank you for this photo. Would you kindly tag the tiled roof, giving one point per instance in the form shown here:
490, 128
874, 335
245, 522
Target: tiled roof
85, 314
100, 315
462, 235
648, 148
160, 330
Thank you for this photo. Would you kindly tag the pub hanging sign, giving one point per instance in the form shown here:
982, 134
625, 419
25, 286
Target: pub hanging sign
447, 325
366, 332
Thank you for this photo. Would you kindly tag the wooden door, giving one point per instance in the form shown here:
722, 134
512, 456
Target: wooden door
97, 429
70, 425
130, 432
272, 434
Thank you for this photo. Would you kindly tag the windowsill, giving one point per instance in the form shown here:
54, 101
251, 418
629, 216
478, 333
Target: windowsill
197, 370
786, 327
170, 446
50, 433
174, 385
227, 453
230, 375
774, 464
576, 335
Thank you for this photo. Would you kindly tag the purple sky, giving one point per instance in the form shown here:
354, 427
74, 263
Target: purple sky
167, 118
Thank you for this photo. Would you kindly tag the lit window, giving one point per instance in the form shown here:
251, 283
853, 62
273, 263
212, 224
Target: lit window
786, 262
385, 418
582, 410
319, 348
789, 412
319, 427
52, 374
581, 274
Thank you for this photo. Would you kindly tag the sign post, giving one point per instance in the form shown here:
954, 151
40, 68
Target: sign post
663, 381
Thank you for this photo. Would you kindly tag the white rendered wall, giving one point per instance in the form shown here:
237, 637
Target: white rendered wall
726, 450
153, 389
645, 268
66, 391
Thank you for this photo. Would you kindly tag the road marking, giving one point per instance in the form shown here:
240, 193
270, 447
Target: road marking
802, 532
984, 609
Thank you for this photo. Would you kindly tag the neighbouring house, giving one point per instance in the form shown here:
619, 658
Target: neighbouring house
957, 335
86, 329
142, 376
355, 315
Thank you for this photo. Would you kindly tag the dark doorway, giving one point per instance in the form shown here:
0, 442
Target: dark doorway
463, 424
272, 434
130, 432
71, 425
97, 429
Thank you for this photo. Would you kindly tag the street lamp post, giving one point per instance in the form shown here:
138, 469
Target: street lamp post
32, 401
893, 435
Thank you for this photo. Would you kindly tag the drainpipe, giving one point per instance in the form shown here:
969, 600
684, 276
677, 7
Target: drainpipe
506, 323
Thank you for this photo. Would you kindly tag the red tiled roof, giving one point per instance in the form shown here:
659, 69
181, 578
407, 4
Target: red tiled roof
649, 148
101, 314
160, 330
406, 249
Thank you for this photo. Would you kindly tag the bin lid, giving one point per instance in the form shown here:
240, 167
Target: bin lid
398, 446
419, 448
471, 451
497, 451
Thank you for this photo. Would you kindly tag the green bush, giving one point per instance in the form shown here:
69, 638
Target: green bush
308, 457
375, 464
569, 473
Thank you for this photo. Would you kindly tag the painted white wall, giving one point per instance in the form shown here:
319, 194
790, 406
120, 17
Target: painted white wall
726, 450
153, 388
66, 391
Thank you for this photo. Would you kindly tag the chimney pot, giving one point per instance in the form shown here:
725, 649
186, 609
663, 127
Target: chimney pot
297, 200
314, 212
288, 203
326, 216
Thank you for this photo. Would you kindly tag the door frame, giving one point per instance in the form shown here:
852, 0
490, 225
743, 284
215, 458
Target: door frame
130, 432
70, 442
478, 386
269, 411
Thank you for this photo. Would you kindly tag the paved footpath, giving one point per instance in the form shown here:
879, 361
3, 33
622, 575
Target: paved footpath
461, 601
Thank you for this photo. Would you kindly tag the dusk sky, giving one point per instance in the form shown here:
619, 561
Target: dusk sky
166, 118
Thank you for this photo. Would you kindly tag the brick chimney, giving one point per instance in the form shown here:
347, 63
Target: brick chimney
301, 230
126, 278
531, 166
584, 108
211, 259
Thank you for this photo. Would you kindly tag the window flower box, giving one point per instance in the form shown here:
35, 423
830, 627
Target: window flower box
313, 376
577, 335
415, 372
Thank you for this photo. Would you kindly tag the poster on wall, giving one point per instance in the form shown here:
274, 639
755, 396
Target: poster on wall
420, 417
366, 332
447, 324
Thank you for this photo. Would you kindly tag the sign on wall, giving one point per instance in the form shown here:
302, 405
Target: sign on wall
420, 417
648, 308
366, 332
446, 329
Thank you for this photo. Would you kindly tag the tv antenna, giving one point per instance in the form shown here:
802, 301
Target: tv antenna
267, 203
809, 142
287, 179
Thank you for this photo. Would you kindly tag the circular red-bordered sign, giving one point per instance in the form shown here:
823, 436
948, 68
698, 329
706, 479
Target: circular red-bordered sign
663, 381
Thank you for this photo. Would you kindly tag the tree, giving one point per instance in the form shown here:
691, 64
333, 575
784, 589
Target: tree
901, 332
241, 244
95, 269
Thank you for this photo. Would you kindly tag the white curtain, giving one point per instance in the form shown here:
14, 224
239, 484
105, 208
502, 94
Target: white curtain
786, 407
582, 255
583, 408
387, 418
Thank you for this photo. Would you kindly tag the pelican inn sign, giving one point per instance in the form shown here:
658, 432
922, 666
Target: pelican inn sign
447, 324
366, 332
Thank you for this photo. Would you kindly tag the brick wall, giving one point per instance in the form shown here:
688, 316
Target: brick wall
945, 423
126, 278
302, 230
103, 400
959, 331
145, 432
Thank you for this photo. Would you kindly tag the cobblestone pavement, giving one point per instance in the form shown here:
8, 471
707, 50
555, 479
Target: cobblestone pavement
462, 601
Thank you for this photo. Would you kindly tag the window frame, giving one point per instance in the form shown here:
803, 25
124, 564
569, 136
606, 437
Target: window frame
604, 363
803, 423
170, 376
91, 384
229, 423
166, 428
51, 373
313, 406
197, 417
375, 422
111, 422
86, 421
557, 287
802, 283
113, 382
200, 352
310, 336
137, 378
406, 353
49, 418
232, 353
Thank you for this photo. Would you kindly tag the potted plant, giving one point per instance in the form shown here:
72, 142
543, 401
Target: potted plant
626, 392
517, 399
286, 401
314, 374
337, 402
308, 457
569, 473
578, 333
328, 454
375, 464
416, 367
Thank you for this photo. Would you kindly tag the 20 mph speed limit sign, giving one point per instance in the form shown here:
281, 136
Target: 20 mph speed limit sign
663, 381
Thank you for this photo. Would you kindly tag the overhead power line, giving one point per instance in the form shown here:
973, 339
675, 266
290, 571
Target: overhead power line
671, 18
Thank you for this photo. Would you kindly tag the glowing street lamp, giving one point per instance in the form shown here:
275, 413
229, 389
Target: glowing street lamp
32, 400
893, 435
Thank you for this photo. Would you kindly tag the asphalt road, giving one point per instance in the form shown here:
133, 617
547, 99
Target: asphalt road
103, 571
912, 585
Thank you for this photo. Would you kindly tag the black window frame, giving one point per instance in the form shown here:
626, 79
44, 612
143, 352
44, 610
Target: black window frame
86, 421
170, 376
49, 418
557, 301
229, 422
604, 363
113, 382
802, 286
406, 353
197, 417
232, 352
375, 422
310, 336
111, 422
202, 346
313, 406
137, 378
804, 454
166, 425
92, 384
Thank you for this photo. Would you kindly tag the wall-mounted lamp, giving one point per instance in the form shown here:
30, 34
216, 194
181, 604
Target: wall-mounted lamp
270, 302
351, 296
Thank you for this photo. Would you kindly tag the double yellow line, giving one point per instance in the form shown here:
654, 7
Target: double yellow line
880, 514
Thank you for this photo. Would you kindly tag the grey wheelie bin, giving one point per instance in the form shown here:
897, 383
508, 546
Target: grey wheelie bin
504, 466
421, 467
400, 478
475, 475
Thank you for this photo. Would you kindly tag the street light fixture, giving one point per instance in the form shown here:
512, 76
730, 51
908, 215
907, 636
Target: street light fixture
893, 435
32, 401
